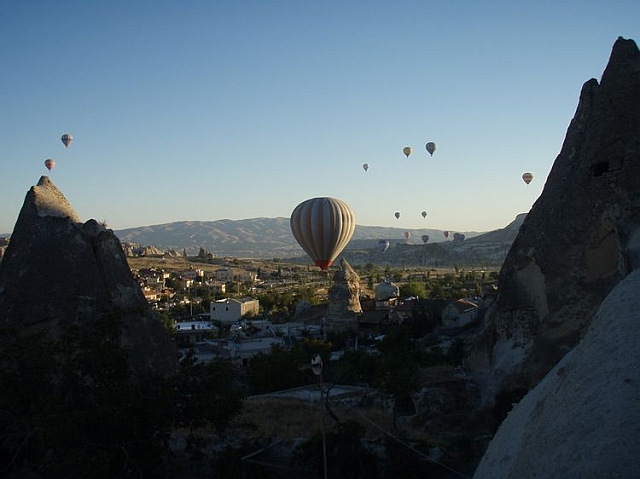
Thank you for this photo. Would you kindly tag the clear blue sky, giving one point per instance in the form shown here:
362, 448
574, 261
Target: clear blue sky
204, 110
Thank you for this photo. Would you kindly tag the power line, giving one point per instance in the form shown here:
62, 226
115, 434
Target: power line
400, 441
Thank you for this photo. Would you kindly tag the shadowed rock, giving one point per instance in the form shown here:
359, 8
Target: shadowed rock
57, 272
577, 242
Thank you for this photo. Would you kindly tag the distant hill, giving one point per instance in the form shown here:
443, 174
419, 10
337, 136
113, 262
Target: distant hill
272, 238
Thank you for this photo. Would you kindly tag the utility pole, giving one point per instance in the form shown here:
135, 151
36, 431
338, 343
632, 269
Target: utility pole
316, 367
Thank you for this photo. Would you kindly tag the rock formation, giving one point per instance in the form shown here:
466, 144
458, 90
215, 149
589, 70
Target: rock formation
575, 244
344, 299
134, 250
57, 271
582, 420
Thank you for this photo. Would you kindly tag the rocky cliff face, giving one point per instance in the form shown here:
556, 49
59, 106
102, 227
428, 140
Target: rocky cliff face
57, 271
577, 241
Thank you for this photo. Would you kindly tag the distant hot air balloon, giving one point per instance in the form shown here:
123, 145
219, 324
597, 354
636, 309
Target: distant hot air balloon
407, 234
527, 177
67, 138
383, 245
424, 214
397, 214
425, 238
407, 150
365, 166
446, 234
431, 147
322, 227
49, 163
458, 237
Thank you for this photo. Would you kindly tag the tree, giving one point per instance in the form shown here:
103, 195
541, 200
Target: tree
347, 457
284, 368
414, 289
399, 365
73, 407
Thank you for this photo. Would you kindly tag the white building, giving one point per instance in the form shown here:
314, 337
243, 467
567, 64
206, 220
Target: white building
191, 332
459, 313
229, 310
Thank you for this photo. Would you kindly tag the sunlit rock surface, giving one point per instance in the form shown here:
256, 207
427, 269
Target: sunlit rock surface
583, 419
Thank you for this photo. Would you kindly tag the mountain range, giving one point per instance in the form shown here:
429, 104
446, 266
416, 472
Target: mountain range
272, 238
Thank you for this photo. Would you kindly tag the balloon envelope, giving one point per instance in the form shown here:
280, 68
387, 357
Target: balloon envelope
67, 138
383, 245
446, 234
49, 163
527, 177
323, 227
397, 214
365, 166
407, 150
407, 234
458, 237
431, 147
425, 238
424, 214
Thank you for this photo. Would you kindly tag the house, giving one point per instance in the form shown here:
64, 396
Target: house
224, 275
152, 279
150, 294
247, 348
191, 332
230, 310
458, 314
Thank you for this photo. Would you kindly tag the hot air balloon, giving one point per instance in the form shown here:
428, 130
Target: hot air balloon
425, 238
446, 234
458, 237
383, 245
397, 214
67, 138
424, 214
322, 227
49, 163
431, 147
527, 177
365, 166
407, 150
407, 234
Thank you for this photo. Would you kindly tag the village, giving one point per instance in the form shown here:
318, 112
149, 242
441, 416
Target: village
237, 308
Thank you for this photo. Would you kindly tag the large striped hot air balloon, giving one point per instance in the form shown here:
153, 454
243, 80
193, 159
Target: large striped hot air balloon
323, 227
